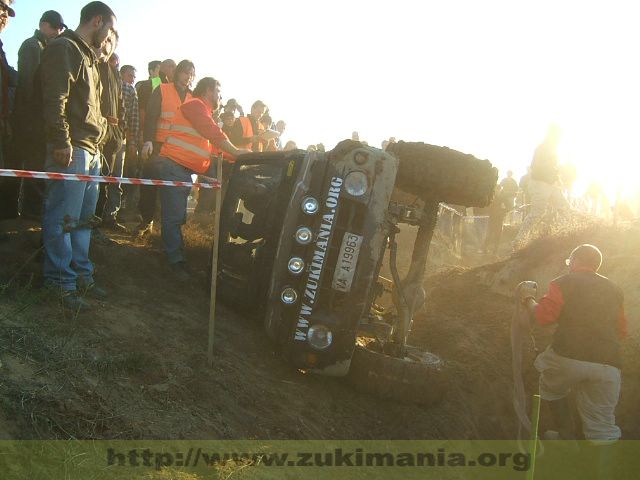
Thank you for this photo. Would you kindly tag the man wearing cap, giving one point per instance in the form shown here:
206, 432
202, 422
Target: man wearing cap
584, 356
74, 129
8, 186
28, 128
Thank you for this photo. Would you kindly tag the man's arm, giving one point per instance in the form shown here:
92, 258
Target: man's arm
200, 119
548, 310
28, 61
60, 66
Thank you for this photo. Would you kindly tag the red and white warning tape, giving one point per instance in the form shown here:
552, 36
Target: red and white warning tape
92, 178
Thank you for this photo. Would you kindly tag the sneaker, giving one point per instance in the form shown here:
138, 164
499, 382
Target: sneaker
180, 271
93, 291
72, 301
144, 228
113, 225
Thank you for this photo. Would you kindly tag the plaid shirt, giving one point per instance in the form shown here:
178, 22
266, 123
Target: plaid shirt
132, 115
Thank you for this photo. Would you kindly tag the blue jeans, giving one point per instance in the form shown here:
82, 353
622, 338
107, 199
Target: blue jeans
69, 204
173, 203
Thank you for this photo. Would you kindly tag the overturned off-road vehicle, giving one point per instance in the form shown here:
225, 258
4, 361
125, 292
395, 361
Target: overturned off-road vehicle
303, 240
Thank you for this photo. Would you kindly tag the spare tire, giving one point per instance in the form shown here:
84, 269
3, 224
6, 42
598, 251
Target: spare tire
418, 378
443, 174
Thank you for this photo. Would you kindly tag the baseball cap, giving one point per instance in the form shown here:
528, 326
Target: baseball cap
54, 19
10, 11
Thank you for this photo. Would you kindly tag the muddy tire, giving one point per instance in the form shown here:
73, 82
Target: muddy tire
443, 174
403, 380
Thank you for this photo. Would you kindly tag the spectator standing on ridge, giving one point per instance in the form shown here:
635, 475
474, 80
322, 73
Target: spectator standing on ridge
542, 186
161, 110
74, 128
501, 204
280, 127
509, 190
290, 145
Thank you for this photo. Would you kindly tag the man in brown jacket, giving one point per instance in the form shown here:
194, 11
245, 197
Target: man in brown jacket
74, 128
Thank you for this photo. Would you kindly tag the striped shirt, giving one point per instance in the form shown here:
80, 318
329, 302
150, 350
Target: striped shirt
132, 114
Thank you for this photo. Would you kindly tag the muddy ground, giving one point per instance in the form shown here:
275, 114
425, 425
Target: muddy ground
135, 366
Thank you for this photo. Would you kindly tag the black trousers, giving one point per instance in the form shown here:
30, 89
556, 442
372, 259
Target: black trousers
110, 151
148, 203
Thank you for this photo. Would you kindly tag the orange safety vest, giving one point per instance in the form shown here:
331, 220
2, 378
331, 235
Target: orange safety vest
171, 102
247, 132
185, 146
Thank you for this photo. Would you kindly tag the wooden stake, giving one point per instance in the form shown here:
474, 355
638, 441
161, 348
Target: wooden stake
535, 424
214, 261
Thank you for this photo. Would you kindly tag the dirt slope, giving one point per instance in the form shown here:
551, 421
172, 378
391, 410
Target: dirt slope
135, 367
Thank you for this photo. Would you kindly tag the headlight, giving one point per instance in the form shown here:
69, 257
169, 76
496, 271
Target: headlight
319, 337
289, 296
304, 236
310, 206
356, 184
296, 265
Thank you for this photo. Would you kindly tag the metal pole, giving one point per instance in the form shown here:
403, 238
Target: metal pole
214, 261
535, 422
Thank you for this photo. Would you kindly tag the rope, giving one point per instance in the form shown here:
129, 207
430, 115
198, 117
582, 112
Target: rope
519, 325
100, 179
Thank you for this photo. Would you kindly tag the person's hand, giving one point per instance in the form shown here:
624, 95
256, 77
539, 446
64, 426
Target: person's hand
242, 151
147, 150
526, 290
62, 156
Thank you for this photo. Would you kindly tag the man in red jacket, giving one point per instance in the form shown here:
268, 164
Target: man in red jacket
584, 356
193, 139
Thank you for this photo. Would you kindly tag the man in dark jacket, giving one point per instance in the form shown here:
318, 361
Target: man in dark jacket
8, 186
584, 356
543, 187
74, 128
112, 107
30, 145
145, 88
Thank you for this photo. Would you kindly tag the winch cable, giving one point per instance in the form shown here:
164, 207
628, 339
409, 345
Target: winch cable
520, 326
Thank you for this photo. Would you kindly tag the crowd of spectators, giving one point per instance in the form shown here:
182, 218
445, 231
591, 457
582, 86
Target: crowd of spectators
70, 107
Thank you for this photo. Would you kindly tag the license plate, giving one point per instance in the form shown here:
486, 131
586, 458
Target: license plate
347, 261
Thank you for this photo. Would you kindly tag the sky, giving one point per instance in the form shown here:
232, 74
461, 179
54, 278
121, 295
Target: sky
484, 77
